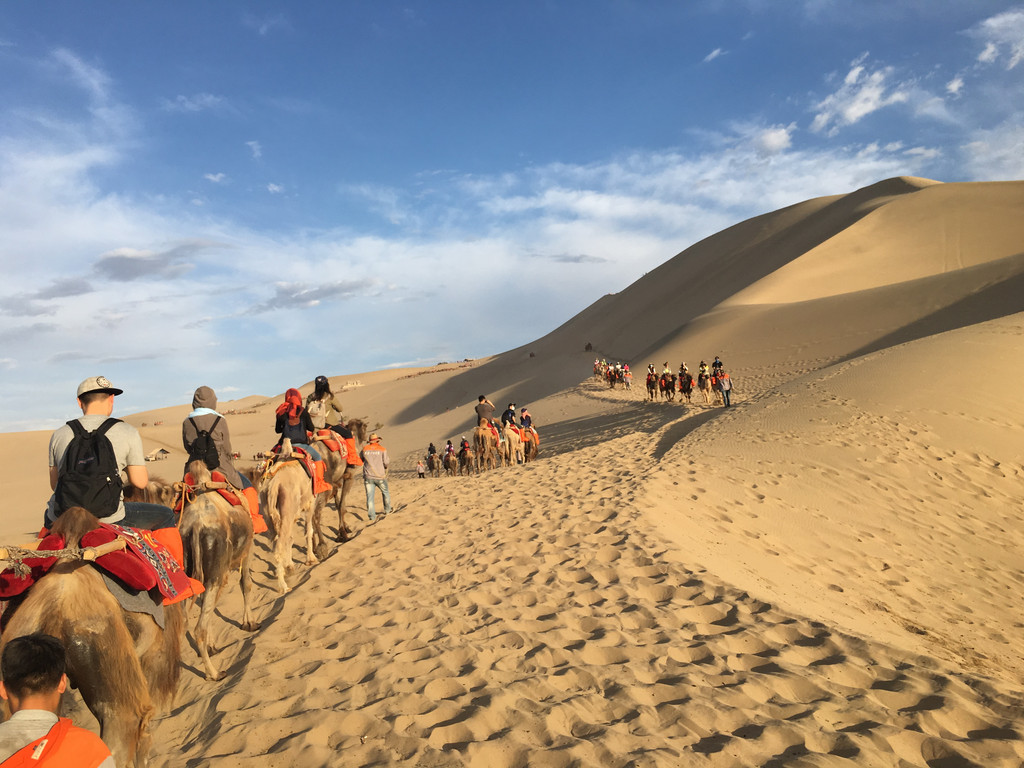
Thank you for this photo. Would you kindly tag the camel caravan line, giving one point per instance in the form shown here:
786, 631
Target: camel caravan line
116, 597
713, 383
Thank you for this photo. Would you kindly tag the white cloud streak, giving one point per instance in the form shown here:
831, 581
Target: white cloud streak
1003, 36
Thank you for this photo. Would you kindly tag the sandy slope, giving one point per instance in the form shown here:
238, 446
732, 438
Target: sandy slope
825, 574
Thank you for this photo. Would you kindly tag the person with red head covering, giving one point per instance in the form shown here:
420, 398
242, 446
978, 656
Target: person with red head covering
293, 422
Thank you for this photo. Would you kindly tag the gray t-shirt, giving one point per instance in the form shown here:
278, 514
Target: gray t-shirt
127, 444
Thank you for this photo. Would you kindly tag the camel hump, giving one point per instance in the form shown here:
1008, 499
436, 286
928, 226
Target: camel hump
74, 524
199, 471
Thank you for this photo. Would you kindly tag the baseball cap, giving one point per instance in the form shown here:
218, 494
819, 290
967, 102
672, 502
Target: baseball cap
97, 384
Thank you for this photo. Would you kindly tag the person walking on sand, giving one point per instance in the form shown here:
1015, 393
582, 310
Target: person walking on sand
375, 475
33, 669
421, 469
725, 384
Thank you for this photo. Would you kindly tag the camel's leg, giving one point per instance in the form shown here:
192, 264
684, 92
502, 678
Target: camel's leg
314, 539
344, 533
202, 633
245, 581
283, 545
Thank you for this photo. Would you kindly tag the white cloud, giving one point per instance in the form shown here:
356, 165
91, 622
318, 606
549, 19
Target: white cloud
955, 86
255, 148
714, 55
196, 103
997, 154
862, 93
274, 189
1001, 33
216, 178
989, 54
775, 139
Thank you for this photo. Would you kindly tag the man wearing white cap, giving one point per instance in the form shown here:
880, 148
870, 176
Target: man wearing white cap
96, 399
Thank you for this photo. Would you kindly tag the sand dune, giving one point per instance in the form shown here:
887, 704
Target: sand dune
827, 573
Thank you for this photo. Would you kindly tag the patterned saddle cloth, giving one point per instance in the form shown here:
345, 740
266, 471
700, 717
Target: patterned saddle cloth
143, 565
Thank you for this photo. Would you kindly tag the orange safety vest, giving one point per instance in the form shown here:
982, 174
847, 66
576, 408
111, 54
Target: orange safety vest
64, 746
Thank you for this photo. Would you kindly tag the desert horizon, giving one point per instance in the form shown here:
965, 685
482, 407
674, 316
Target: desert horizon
826, 573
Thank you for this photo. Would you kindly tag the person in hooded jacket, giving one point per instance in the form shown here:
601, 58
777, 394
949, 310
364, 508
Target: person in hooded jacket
204, 416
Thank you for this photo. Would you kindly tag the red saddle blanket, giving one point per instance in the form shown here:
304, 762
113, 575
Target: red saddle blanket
325, 438
189, 484
145, 563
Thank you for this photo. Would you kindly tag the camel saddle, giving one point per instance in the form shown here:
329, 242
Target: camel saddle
189, 488
329, 439
143, 565
315, 469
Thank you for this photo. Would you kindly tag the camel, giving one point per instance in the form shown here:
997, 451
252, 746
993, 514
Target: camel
467, 462
531, 445
340, 475
123, 663
451, 464
286, 495
704, 385
512, 447
434, 465
686, 385
667, 383
652, 386
486, 447
717, 389
217, 539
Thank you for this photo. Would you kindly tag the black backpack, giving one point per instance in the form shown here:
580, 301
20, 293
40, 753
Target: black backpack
203, 448
91, 477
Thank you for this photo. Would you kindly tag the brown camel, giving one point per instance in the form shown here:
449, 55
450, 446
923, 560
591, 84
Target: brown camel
467, 462
123, 663
451, 464
217, 538
704, 385
531, 445
286, 495
511, 448
340, 475
486, 448
434, 465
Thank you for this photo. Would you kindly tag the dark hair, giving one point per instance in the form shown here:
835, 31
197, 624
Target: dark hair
88, 398
32, 664
481, 398
322, 386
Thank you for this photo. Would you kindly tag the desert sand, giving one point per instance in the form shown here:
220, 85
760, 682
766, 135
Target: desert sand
827, 573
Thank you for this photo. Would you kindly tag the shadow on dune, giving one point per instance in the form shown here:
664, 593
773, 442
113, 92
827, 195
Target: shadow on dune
678, 431
574, 434
1000, 293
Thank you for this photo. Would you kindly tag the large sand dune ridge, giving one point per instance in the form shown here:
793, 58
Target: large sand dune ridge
827, 573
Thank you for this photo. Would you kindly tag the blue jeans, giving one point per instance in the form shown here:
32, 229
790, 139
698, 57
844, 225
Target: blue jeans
371, 485
149, 517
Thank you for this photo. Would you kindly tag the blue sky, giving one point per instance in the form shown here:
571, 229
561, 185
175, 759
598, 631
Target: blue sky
246, 195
